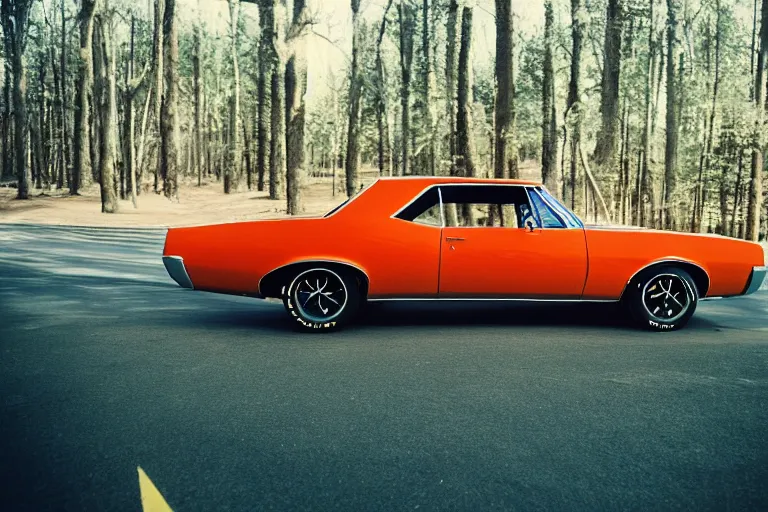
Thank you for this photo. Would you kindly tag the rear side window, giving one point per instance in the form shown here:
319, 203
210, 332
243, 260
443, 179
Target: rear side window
425, 209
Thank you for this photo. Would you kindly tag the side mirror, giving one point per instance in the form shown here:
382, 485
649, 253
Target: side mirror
530, 228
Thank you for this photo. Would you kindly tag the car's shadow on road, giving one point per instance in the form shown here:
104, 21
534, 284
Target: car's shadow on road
272, 317
374, 315
492, 313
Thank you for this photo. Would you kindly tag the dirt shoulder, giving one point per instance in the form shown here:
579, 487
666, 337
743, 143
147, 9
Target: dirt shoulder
197, 205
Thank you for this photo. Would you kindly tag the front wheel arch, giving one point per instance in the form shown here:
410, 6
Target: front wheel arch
698, 274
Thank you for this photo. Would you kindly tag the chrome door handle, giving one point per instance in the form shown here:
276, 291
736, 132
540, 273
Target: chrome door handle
453, 239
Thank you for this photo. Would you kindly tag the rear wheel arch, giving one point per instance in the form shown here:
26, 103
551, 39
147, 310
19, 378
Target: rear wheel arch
698, 274
273, 282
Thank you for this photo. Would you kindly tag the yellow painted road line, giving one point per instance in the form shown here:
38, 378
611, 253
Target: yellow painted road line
151, 499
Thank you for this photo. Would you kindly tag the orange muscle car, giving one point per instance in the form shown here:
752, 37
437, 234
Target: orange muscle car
459, 238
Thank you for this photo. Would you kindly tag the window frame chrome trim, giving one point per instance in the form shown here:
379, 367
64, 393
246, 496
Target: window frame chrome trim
440, 201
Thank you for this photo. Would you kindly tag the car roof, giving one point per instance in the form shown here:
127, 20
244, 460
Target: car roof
436, 180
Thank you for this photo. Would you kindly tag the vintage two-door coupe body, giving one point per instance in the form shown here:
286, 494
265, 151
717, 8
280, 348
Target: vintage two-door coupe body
457, 238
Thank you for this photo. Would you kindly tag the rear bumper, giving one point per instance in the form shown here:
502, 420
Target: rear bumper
755, 279
178, 272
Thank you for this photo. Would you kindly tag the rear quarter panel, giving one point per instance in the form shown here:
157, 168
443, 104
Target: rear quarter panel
615, 255
399, 257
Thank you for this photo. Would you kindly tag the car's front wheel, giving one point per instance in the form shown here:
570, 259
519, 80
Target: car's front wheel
662, 299
322, 299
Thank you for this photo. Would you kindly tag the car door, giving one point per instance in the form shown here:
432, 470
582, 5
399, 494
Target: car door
517, 259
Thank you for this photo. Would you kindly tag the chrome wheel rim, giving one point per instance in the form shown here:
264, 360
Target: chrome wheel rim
320, 295
666, 297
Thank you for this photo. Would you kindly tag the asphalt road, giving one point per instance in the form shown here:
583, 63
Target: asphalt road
107, 365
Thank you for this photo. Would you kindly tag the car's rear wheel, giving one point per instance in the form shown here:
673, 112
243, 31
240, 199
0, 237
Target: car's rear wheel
662, 298
322, 299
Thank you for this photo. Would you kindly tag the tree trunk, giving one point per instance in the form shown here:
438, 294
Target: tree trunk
644, 177
753, 51
752, 229
607, 136
407, 28
41, 152
15, 15
7, 155
83, 98
277, 118
738, 196
573, 101
670, 212
381, 100
169, 116
232, 171
142, 141
451, 58
158, 45
548, 119
247, 155
58, 120
355, 91
65, 100
107, 90
265, 42
295, 87
707, 155
505, 139
430, 112
464, 139
197, 53
129, 132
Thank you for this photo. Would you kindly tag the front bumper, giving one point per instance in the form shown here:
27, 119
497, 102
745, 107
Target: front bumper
178, 272
755, 279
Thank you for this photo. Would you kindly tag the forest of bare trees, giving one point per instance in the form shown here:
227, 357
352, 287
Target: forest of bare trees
644, 112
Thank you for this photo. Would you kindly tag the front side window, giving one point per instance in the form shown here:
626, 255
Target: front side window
487, 206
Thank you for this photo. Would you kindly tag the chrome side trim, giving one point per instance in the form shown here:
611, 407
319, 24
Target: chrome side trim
300, 262
756, 278
174, 265
658, 262
486, 299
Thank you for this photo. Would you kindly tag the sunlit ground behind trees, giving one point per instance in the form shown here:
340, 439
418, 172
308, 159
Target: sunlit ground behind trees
644, 112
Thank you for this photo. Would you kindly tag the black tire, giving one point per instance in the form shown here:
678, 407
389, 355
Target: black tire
322, 299
654, 298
